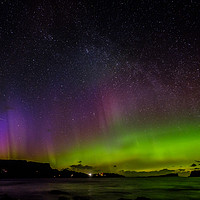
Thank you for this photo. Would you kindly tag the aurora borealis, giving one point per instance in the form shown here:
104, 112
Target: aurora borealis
103, 82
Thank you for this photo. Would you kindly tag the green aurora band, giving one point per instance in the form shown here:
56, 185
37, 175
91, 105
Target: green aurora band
173, 145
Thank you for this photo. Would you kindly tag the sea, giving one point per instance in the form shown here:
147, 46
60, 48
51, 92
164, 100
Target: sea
101, 188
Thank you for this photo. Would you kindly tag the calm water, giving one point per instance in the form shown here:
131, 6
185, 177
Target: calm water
108, 188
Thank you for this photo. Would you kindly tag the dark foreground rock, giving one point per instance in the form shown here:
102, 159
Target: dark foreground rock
64, 198
58, 192
6, 197
143, 198
138, 198
81, 198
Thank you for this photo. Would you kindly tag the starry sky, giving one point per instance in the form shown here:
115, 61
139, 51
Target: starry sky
108, 83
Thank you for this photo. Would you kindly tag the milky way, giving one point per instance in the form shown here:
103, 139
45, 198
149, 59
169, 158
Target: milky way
102, 82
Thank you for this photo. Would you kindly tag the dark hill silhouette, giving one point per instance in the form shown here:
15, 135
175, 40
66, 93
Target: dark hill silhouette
25, 169
195, 173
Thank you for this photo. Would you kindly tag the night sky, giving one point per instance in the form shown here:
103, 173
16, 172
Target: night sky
108, 83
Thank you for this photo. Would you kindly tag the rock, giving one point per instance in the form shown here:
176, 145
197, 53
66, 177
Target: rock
63, 198
143, 198
81, 198
57, 192
6, 197
124, 199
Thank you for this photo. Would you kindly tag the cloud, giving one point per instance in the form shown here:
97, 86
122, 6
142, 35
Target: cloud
144, 173
81, 167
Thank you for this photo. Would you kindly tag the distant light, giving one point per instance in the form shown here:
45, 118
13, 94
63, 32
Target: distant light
90, 174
